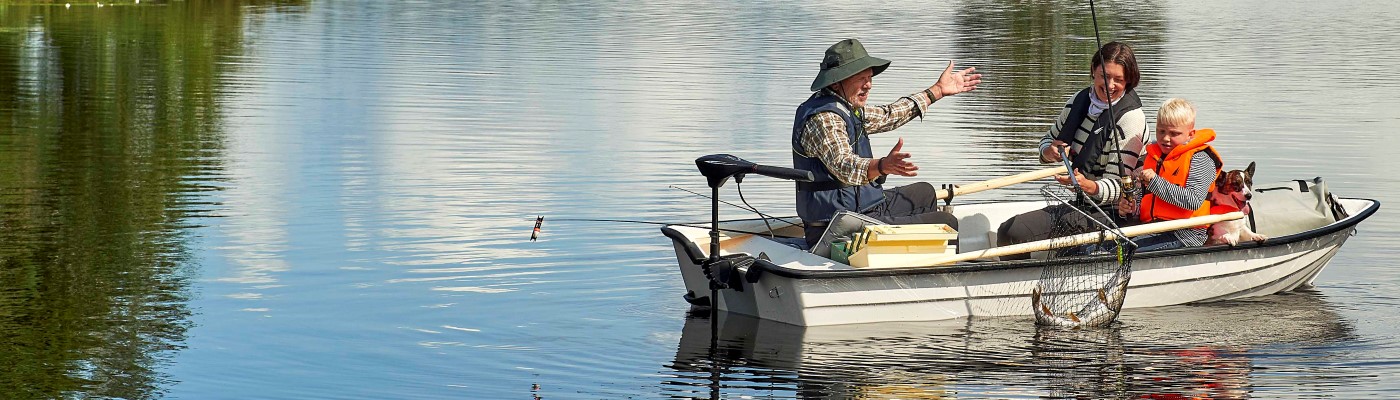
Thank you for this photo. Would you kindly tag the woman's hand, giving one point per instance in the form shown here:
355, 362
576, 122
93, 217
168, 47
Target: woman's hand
1090, 187
951, 83
1054, 152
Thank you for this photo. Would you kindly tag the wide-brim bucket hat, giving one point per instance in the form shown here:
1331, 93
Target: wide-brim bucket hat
844, 59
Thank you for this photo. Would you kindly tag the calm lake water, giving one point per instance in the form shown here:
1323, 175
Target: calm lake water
301, 199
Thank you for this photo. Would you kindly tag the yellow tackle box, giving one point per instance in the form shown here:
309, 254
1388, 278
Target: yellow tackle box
889, 246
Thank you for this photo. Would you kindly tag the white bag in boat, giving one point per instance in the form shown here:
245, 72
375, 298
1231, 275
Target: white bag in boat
1290, 207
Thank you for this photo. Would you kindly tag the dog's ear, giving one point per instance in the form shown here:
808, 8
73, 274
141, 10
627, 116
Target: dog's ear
1222, 179
1249, 171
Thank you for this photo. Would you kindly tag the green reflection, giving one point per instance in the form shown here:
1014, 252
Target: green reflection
110, 137
1038, 56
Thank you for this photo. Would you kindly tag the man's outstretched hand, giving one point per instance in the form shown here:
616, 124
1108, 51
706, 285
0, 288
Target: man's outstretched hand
951, 83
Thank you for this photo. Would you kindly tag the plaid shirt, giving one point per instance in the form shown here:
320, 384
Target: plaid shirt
824, 135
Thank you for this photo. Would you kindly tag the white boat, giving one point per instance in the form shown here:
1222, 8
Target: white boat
794, 286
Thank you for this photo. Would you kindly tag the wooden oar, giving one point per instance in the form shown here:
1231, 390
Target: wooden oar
1067, 241
999, 182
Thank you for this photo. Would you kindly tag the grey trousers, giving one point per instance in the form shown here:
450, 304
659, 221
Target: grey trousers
916, 203
1036, 225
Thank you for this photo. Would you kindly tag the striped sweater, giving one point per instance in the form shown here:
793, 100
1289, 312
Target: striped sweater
1198, 181
1123, 151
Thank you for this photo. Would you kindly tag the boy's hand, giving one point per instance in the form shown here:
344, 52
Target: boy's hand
1125, 207
1146, 176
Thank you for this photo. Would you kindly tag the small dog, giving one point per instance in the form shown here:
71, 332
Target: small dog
1232, 193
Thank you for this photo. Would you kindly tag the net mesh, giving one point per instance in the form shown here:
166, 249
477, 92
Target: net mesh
1082, 284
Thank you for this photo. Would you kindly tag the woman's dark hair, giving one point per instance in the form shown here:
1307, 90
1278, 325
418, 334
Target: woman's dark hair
1117, 53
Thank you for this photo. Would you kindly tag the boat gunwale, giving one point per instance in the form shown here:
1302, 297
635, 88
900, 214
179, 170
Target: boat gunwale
765, 266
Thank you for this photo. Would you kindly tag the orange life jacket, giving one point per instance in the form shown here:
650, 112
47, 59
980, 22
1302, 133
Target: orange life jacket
1174, 167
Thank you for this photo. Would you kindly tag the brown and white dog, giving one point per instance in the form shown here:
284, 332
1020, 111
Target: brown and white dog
1232, 193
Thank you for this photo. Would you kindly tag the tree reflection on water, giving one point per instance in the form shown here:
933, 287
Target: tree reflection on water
112, 140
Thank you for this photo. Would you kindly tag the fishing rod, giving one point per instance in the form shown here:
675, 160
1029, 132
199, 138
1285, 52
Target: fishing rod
539, 221
1096, 137
1112, 124
1103, 69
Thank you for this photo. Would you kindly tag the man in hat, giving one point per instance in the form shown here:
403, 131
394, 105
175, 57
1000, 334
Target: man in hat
829, 138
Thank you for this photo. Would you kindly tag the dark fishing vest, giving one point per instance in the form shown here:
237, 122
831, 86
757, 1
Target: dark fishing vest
818, 200
1098, 137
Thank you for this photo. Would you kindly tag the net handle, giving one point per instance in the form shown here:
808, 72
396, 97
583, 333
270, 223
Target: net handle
933, 260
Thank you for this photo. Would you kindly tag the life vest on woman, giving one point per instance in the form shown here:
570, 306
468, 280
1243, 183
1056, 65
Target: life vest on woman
1174, 167
1087, 158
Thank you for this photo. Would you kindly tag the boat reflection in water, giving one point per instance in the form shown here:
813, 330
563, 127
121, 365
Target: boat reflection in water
1199, 351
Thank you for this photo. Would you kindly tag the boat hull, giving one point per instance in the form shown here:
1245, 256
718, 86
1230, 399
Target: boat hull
803, 289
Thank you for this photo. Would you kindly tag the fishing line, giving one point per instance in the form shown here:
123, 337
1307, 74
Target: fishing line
746, 203
746, 207
631, 221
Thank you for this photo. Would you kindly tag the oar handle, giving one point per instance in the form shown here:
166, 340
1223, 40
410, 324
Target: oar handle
1068, 241
1002, 181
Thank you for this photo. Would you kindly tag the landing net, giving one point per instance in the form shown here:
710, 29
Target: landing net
1079, 285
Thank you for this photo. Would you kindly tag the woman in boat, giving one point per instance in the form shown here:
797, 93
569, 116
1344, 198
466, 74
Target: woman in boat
1099, 156
829, 138
1178, 172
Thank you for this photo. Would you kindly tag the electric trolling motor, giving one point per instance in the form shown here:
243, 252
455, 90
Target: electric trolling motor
723, 272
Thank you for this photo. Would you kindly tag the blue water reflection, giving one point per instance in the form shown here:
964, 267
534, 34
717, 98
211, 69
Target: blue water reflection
289, 199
